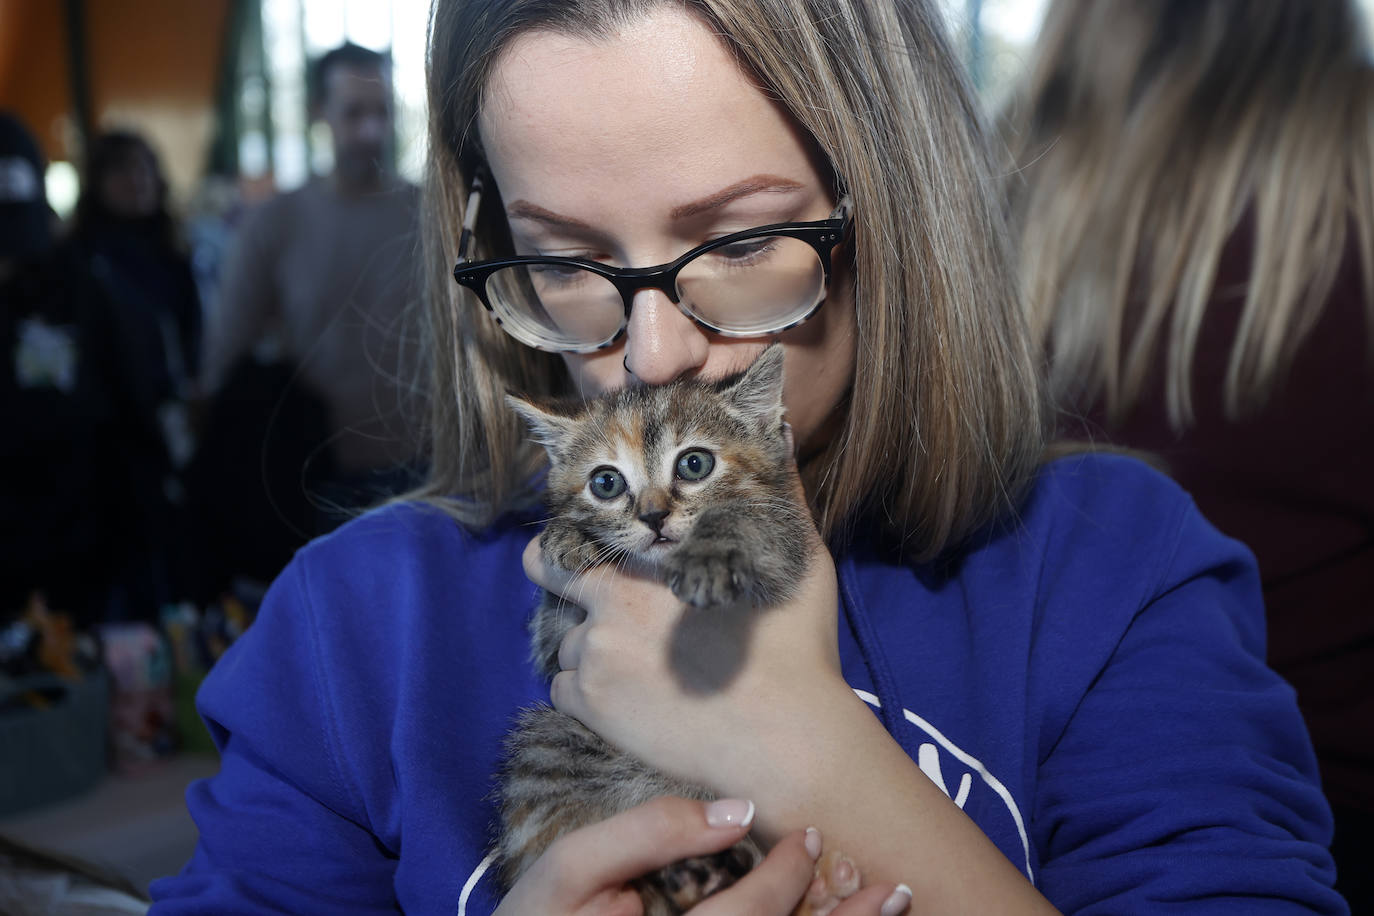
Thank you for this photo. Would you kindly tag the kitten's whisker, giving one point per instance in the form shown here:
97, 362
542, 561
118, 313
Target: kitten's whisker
777, 508
785, 505
604, 552
601, 570
768, 500
601, 556
617, 558
622, 560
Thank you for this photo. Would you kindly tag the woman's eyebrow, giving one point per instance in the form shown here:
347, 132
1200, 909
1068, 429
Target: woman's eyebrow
755, 184
523, 209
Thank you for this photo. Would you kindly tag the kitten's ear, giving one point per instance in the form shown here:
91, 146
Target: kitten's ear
758, 392
549, 428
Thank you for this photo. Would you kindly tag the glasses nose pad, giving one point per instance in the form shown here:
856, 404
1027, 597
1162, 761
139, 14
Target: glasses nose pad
648, 299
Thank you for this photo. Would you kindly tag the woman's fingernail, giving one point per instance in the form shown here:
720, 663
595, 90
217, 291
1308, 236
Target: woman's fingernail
813, 843
730, 812
898, 902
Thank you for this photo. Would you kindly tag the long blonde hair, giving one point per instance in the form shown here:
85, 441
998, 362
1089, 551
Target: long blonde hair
1149, 134
945, 422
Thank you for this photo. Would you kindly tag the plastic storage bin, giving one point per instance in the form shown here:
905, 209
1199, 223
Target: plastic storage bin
51, 753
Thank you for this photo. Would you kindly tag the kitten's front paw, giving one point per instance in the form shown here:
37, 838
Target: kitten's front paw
684, 884
707, 574
836, 879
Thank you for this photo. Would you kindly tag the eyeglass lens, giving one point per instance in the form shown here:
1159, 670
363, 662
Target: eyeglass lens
749, 287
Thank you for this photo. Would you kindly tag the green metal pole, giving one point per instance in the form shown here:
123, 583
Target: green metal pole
224, 152
259, 50
79, 72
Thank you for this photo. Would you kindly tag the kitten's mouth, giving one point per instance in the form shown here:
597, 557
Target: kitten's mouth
661, 542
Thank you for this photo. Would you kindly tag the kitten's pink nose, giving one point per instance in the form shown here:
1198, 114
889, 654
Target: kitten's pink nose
661, 343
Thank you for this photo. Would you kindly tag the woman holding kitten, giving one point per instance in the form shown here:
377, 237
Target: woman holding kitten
1009, 684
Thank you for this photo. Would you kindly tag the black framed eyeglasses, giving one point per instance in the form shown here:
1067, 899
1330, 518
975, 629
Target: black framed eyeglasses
747, 284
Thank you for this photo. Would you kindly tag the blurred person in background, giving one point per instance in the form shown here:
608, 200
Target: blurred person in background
318, 280
124, 226
63, 407
125, 237
212, 216
1193, 190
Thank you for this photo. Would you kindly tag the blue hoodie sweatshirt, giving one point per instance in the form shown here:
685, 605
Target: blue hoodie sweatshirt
1086, 682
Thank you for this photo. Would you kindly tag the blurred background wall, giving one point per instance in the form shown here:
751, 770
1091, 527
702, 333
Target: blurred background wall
67, 66
220, 85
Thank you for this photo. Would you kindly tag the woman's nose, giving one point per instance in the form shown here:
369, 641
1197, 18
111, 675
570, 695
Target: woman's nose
661, 343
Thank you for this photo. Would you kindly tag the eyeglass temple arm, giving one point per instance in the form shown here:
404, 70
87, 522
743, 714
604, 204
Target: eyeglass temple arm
470, 219
844, 209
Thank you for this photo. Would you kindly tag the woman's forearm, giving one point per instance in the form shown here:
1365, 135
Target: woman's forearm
835, 767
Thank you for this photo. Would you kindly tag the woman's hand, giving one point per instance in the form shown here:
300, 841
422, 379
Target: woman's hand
587, 871
698, 693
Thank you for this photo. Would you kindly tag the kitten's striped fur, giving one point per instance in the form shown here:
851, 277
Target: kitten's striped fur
736, 537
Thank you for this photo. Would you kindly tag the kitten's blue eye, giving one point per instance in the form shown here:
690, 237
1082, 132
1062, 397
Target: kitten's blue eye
695, 464
607, 483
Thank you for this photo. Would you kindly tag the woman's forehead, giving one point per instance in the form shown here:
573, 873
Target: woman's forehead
658, 108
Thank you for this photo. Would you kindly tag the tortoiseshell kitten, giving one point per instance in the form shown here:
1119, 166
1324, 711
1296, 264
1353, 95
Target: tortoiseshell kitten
691, 479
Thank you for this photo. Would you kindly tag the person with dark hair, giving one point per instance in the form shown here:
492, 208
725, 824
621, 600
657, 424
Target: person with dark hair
25, 220
350, 89
124, 225
62, 405
319, 279
124, 236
